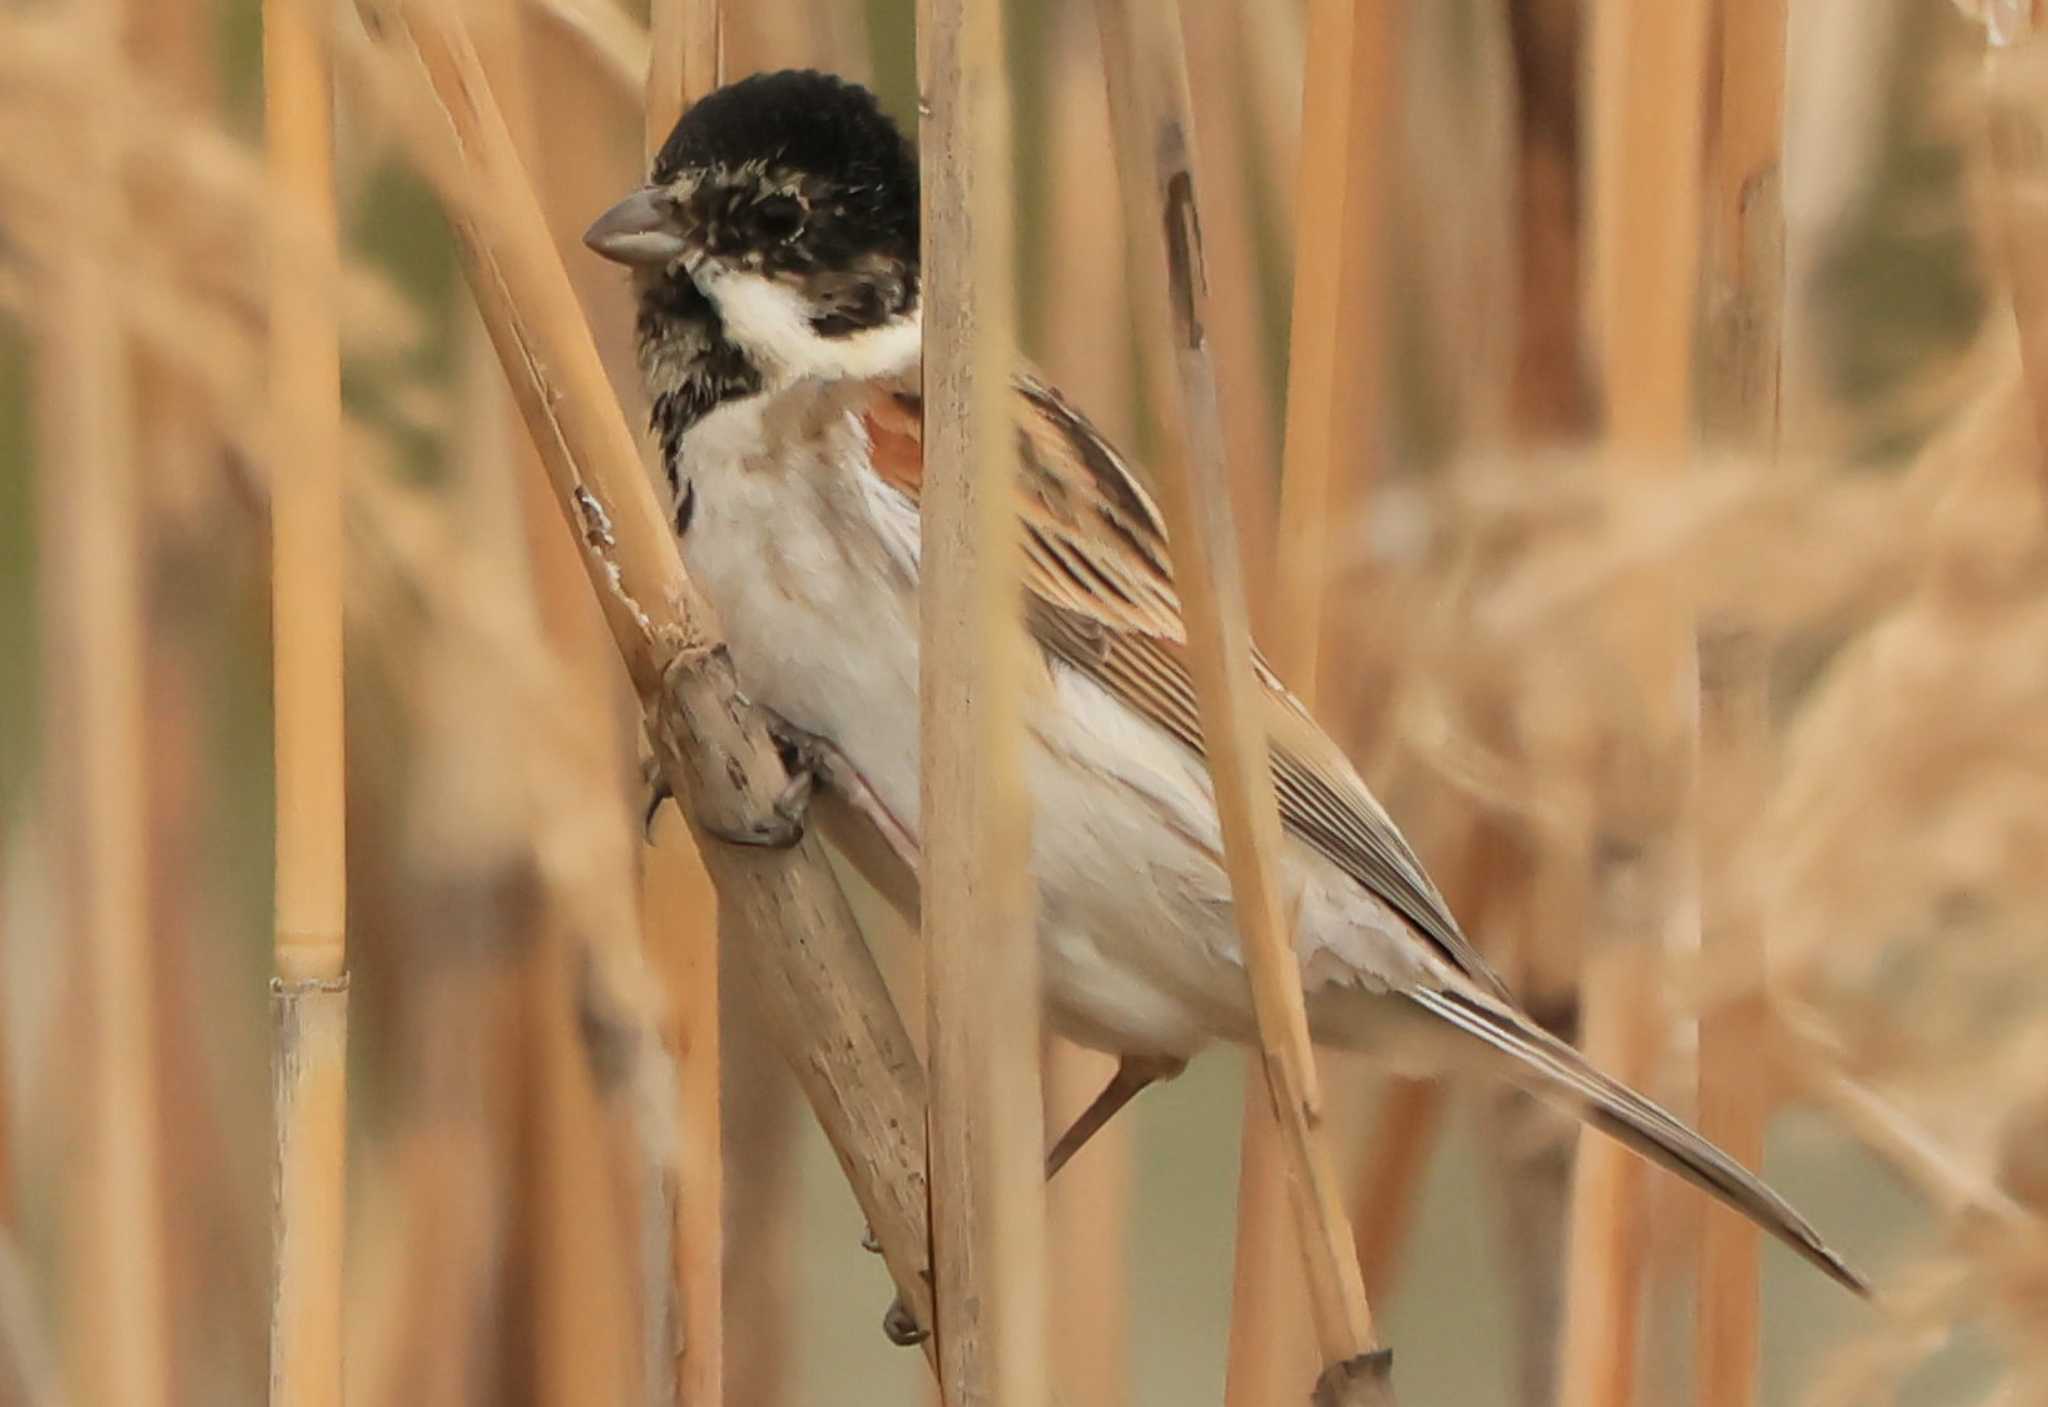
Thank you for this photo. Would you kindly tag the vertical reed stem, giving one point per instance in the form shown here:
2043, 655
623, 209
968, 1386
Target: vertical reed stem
310, 993
94, 755
1334, 339
1744, 307
1144, 56
2015, 137
679, 913
1085, 343
988, 1195
1649, 62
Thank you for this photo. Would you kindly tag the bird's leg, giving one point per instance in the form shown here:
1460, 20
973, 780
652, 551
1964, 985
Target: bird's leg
1133, 1073
655, 788
821, 757
808, 759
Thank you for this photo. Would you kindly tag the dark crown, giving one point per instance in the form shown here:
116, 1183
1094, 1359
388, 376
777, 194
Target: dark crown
812, 124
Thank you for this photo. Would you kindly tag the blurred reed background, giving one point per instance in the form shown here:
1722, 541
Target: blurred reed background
532, 1052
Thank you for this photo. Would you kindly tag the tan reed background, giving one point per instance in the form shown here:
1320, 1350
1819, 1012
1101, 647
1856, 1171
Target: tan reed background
1541, 491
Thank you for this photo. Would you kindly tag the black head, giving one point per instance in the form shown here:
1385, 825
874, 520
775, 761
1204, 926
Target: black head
803, 169
785, 196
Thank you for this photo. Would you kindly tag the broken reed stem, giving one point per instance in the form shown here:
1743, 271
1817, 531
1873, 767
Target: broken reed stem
977, 921
1147, 68
814, 983
1744, 308
1648, 71
309, 996
1331, 366
2016, 142
94, 750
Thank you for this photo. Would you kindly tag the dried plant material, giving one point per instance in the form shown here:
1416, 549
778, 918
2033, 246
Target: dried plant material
823, 997
1331, 427
619, 44
1744, 297
310, 994
1648, 71
116, 1329
978, 919
1149, 109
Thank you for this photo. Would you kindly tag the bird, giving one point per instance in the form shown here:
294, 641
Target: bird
774, 259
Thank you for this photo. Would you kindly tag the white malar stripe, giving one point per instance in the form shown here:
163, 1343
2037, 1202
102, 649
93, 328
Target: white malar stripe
771, 321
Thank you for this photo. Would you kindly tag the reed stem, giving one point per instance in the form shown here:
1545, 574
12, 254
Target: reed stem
816, 988
1744, 308
90, 514
1144, 55
1330, 411
1648, 72
310, 994
987, 1120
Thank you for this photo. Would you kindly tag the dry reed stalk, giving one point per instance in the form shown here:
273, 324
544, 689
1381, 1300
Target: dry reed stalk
978, 925
1087, 1214
1648, 70
89, 528
1250, 418
1085, 343
814, 982
1333, 343
679, 909
610, 35
309, 996
684, 60
2014, 139
1550, 398
1404, 1135
592, 1157
1744, 307
1143, 54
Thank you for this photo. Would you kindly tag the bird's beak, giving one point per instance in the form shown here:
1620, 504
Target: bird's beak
641, 231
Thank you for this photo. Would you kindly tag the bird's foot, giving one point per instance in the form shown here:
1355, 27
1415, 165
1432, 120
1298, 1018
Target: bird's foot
655, 788
783, 827
903, 1330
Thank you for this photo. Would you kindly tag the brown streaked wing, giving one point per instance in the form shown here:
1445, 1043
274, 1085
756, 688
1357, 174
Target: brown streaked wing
1100, 597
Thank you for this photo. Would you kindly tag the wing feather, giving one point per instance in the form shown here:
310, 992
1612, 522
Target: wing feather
1100, 597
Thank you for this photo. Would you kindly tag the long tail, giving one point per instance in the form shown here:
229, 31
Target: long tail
1554, 1070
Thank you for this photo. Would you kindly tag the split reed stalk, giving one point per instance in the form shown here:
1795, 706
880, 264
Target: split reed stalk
1144, 57
309, 996
1333, 345
977, 919
1744, 308
814, 983
679, 909
1648, 71
90, 510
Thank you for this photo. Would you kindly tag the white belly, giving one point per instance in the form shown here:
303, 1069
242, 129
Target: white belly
810, 562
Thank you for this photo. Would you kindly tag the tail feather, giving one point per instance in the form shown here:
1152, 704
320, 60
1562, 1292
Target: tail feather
1560, 1073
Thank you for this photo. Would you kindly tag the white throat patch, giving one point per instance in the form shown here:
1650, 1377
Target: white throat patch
771, 322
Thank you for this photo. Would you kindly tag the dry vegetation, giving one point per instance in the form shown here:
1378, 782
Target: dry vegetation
1531, 478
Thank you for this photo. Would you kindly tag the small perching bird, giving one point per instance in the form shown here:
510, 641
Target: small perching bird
775, 258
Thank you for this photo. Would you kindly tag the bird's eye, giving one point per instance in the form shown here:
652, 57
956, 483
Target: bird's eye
778, 216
